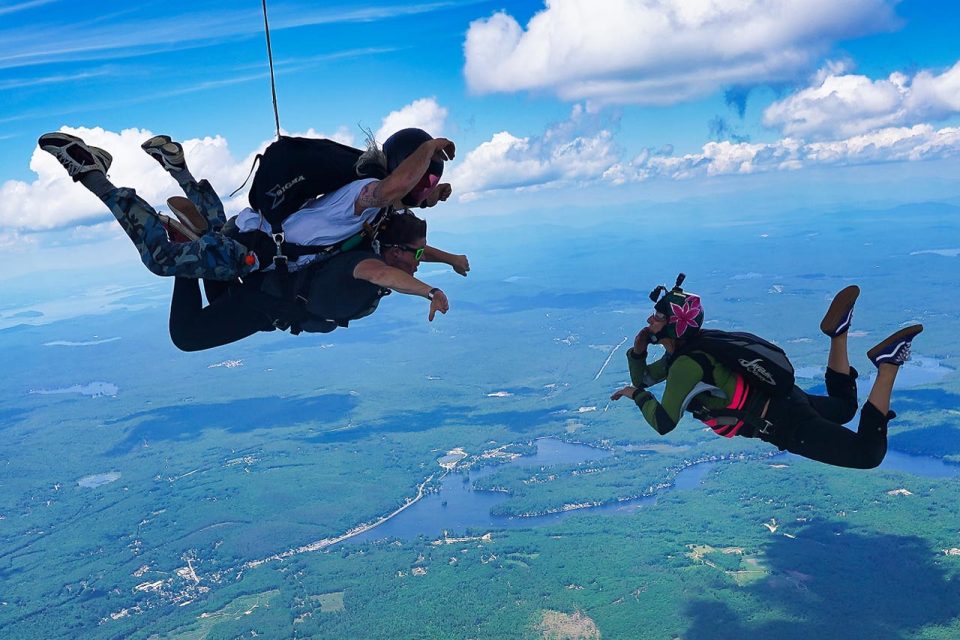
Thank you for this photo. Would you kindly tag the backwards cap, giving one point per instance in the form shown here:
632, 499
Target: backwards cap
682, 309
401, 145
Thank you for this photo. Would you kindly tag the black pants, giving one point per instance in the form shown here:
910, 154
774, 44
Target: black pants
812, 426
234, 313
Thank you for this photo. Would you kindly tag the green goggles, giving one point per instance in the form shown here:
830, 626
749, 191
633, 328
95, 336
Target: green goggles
417, 253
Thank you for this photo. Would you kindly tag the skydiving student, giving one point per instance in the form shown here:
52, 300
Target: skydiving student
203, 250
731, 404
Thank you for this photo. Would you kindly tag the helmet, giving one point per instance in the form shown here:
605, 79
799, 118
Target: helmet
401, 145
682, 310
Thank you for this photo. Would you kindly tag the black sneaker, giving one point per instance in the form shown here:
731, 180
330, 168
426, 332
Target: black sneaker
76, 156
894, 350
837, 320
188, 214
165, 151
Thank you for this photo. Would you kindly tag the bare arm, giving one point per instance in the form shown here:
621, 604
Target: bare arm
459, 263
388, 277
405, 177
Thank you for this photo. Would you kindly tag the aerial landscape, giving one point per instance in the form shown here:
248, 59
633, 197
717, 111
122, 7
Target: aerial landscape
470, 477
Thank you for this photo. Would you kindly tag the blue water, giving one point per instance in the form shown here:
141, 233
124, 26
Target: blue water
692, 477
458, 509
925, 466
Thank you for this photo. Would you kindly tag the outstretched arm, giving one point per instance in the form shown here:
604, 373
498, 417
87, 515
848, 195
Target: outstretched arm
459, 263
663, 415
405, 177
388, 277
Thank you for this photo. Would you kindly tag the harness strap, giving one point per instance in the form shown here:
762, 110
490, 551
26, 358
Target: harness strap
761, 427
286, 251
701, 359
256, 161
727, 419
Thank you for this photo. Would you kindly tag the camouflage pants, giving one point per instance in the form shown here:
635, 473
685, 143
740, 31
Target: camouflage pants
213, 256
207, 201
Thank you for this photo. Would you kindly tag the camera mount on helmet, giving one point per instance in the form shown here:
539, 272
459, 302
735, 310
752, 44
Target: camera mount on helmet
681, 310
660, 289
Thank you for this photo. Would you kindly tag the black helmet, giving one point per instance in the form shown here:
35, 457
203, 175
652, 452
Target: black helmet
682, 310
398, 147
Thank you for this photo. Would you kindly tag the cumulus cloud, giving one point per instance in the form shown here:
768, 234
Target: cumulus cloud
581, 151
842, 104
562, 157
571, 151
660, 51
425, 113
53, 200
892, 144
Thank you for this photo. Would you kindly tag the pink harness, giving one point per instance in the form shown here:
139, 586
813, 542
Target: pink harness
739, 400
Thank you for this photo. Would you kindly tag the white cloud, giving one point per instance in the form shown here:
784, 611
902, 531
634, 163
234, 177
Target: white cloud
566, 153
660, 51
892, 144
847, 105
425, 113
343, 135
15, 242
562, 157
580, 150
53, 200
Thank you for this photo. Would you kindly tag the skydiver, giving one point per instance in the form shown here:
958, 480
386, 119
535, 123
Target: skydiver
807, 425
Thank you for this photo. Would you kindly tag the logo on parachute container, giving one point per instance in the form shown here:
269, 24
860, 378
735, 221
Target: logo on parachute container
278, 192
754, 367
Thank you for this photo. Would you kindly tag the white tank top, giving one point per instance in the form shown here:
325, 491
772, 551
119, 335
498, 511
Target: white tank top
321, 221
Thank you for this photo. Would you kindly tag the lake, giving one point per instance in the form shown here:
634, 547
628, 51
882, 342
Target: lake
458, 508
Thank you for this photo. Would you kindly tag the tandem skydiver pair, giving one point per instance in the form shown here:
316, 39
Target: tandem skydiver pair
739, 384
321, 283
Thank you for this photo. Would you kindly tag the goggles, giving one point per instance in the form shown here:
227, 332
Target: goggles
417, 252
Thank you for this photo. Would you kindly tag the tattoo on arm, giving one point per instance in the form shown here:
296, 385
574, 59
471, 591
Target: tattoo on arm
371, 196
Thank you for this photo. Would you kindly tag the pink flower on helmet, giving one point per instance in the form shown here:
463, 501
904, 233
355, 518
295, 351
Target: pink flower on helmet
685, 316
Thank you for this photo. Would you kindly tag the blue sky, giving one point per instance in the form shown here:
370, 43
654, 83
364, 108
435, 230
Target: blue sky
608, 101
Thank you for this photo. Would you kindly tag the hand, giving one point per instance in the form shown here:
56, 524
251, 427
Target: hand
439, 194
627, 392
439, 303
461, 265
443, 149
641, 341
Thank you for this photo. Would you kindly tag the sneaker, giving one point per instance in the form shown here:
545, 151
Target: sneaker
76, 156
165, 151
176, 230
838, 317
188, 214
894, 350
